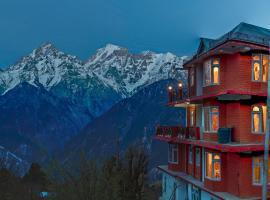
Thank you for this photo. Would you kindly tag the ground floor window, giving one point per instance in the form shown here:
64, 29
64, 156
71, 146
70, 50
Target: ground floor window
212, 166
173, 153
195, 193
257, 163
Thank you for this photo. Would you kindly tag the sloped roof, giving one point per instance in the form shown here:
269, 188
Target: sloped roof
242, 32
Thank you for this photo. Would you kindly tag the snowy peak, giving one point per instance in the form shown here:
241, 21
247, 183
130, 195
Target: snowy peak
127, 72
111, 72
106, 52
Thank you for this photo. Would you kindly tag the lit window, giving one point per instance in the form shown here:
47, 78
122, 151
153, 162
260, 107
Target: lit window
258, 170
211, 72
211, 119
190, 154
259, 67
173, 153
198, 157
213, 166
192, 117
191, 77
258, 117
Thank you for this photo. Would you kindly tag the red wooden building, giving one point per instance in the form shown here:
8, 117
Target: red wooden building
219, 154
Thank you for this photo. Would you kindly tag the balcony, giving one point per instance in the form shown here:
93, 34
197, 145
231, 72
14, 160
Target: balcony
178, 132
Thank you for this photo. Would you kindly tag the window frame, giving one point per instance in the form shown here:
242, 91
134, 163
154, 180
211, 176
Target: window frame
260, 62
213, 162
210, 119
261, 170
212, 66
172, 148
261, 117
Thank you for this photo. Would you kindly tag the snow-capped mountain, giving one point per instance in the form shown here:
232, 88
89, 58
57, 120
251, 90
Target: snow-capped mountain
63, 75
126, 72
111, 74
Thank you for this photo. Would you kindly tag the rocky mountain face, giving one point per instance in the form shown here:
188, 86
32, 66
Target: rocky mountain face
35, 123
132, 120
110, 75
126, 73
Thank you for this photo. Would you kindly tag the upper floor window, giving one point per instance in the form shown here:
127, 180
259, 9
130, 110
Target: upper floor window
198, 157
211, 119
213, 166
173, 153
259, 67
257, 170
192, 117
191, 77
211, 72
190, 154
258, 119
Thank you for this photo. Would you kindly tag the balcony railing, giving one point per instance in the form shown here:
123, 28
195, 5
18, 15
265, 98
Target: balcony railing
178, 132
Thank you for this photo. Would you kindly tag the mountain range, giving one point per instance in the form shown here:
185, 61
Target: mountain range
49, 99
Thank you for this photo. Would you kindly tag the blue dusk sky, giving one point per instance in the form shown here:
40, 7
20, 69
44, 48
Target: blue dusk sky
79, 27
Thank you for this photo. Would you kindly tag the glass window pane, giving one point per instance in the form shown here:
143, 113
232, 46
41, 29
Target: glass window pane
264, 110
207, 72
257, 170
216, 75
209, 166
256, 57
256, 122
214, 119
206, 119
198, 157
265, 67
217, 169
191, 76
216, 62
256, 71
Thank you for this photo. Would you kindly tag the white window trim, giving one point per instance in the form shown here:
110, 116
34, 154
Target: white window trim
213, 160
210, 117
211, 72
172, 148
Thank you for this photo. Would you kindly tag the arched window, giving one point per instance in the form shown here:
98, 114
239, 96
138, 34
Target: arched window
258, 117
259, 67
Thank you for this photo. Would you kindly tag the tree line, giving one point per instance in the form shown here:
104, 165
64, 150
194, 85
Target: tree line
117, 178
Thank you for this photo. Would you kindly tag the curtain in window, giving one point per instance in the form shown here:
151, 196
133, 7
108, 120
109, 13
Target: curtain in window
257, 119
209, 167
265, 67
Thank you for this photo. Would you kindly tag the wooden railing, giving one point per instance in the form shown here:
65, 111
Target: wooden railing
178, 132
